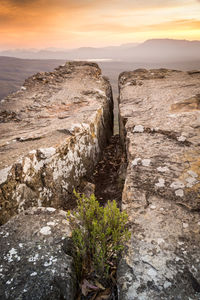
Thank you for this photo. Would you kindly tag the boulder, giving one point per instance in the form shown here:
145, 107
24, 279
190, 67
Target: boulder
160, 131
52, 134
33, 261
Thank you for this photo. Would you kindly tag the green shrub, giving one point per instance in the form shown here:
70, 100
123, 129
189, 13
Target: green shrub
99, 235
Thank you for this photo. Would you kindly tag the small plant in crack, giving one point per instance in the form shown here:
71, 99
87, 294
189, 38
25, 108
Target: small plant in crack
99, 235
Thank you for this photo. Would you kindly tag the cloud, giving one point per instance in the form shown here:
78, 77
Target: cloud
21, 2
38, 13
48, 3
39, 21
182, 24
115, 4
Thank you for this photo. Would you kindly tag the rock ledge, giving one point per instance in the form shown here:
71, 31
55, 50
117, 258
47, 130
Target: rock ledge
159, 126
52, 134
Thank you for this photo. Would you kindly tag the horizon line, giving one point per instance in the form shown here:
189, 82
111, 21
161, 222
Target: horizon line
49, 48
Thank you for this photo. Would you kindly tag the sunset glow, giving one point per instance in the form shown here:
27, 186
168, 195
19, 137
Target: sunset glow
68, 23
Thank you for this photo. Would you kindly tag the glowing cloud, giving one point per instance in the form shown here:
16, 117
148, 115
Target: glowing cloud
69, 23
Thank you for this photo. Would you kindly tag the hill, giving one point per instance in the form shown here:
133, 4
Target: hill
151, 50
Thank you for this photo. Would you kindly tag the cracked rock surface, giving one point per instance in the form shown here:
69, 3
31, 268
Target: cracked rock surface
33, 261
160, 131
52, 134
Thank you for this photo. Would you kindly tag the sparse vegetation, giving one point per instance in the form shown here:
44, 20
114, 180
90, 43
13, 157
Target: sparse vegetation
99, 235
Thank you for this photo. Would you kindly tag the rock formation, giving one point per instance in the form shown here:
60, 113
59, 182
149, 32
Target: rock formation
160, 129
52, 133
33, 261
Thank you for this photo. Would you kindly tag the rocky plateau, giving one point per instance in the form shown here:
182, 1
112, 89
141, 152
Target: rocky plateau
160, 131
53, 133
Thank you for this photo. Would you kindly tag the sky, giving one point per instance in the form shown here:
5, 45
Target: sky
97, 23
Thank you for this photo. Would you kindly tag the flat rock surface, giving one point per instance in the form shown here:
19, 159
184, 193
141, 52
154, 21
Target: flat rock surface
52, 133
33, 262
42, 113
160, 129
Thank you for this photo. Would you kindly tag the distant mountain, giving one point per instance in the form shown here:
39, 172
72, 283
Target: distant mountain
129, 45
154, 50
168, 49
20, 64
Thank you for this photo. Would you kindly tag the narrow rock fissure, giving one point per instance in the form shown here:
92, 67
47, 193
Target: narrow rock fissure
109, 174
107, 183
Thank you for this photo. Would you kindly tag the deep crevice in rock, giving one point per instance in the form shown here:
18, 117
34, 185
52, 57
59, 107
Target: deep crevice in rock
109, 174
107, 182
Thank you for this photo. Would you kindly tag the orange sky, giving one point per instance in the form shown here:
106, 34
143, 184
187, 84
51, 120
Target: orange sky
75, 23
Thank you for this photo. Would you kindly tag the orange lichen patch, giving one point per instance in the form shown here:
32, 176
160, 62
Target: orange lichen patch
191, 176
97, 121
194, 159
92, 129
99, 115
190, 104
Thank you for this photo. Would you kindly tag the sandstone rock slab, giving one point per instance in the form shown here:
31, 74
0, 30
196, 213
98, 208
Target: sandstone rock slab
160, 130
52, 133
33, 262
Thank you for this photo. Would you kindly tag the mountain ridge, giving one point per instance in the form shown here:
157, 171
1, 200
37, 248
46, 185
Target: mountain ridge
149, 49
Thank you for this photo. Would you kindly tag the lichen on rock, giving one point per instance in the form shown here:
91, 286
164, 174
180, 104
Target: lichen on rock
159, 127
52, 135
33, 261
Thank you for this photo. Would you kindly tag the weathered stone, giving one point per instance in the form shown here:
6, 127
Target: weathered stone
33, 262
159, 126
52, 133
